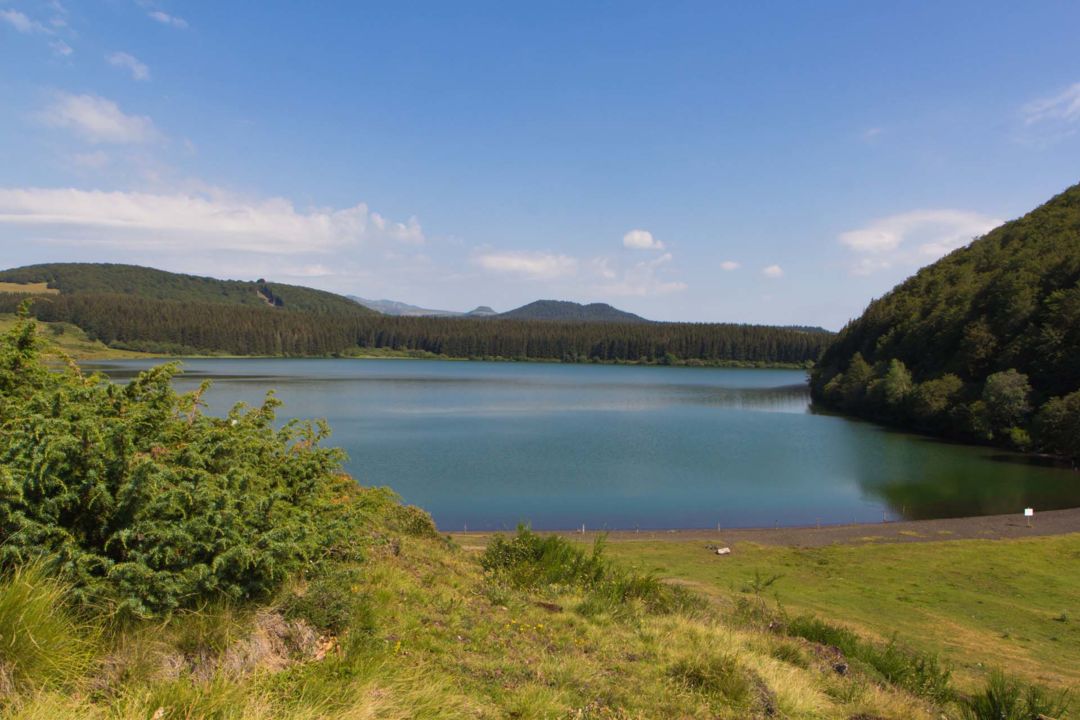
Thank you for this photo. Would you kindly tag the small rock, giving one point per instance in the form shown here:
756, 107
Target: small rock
723, 551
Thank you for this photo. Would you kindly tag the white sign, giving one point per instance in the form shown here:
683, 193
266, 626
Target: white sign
1029, 512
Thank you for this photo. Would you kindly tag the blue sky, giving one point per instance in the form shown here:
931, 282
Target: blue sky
758, 162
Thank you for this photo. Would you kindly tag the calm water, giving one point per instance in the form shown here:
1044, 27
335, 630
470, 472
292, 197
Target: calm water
490, 444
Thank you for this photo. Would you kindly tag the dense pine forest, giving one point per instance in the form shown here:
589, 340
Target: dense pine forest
982, 345
154, 311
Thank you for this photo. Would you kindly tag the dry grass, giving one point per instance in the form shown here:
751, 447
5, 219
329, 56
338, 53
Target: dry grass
39, 288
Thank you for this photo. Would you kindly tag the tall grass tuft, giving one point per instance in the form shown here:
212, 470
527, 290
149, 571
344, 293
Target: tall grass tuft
1007, 698
42, 643
917, 672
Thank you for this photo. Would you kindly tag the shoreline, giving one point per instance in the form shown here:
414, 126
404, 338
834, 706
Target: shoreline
979, 527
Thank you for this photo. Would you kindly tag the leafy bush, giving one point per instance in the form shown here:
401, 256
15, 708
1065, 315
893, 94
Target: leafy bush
917, 672
138, 498
1006, 698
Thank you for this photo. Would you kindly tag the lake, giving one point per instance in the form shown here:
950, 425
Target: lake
487, 445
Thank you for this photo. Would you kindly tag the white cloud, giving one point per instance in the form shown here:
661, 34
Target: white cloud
638, 280
872, 133
21, 22
61, 48
132, 64
166, 19
641, 240
534, 265
913, 238
1065, 106
99, 120
192, 223
729, 265
773, 272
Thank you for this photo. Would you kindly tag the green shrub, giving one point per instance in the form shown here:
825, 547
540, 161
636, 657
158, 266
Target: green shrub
136, 497
529, 560
332, 602
1006, 698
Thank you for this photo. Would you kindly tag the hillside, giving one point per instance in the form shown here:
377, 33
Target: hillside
154, 311
162, 563
151, 284
571, 312
981, 345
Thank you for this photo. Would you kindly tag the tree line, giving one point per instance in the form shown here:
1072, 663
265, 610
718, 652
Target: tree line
180, 327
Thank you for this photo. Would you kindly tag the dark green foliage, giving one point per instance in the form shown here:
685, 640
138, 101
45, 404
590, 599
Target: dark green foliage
1058, 426
153, 311
914, 671
1006, 698
987, 336
531, 561
139, 499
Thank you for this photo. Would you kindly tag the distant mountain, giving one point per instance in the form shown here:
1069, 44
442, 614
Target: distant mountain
393, 307
571, 311
481, 311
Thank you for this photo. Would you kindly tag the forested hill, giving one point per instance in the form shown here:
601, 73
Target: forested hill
984, 344
154, 311
151, 284
564, 310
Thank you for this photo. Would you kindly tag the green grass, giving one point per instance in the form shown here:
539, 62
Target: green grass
980, 604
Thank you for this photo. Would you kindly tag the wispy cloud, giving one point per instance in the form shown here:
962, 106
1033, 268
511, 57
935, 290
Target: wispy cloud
99, 120
729, 265
128, 62
61, 48
641, 240
91, 160
913, 238
533, 265
22, 23
773, 272
640, 279
166, 19
1065, 106
193, 223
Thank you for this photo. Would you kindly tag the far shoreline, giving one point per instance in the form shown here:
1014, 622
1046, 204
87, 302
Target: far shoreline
979, 527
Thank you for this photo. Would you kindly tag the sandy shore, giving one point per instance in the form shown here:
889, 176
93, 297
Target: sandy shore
989, 527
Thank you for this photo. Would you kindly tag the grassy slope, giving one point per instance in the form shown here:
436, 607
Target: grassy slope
73, 341
447, 643
980, 603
